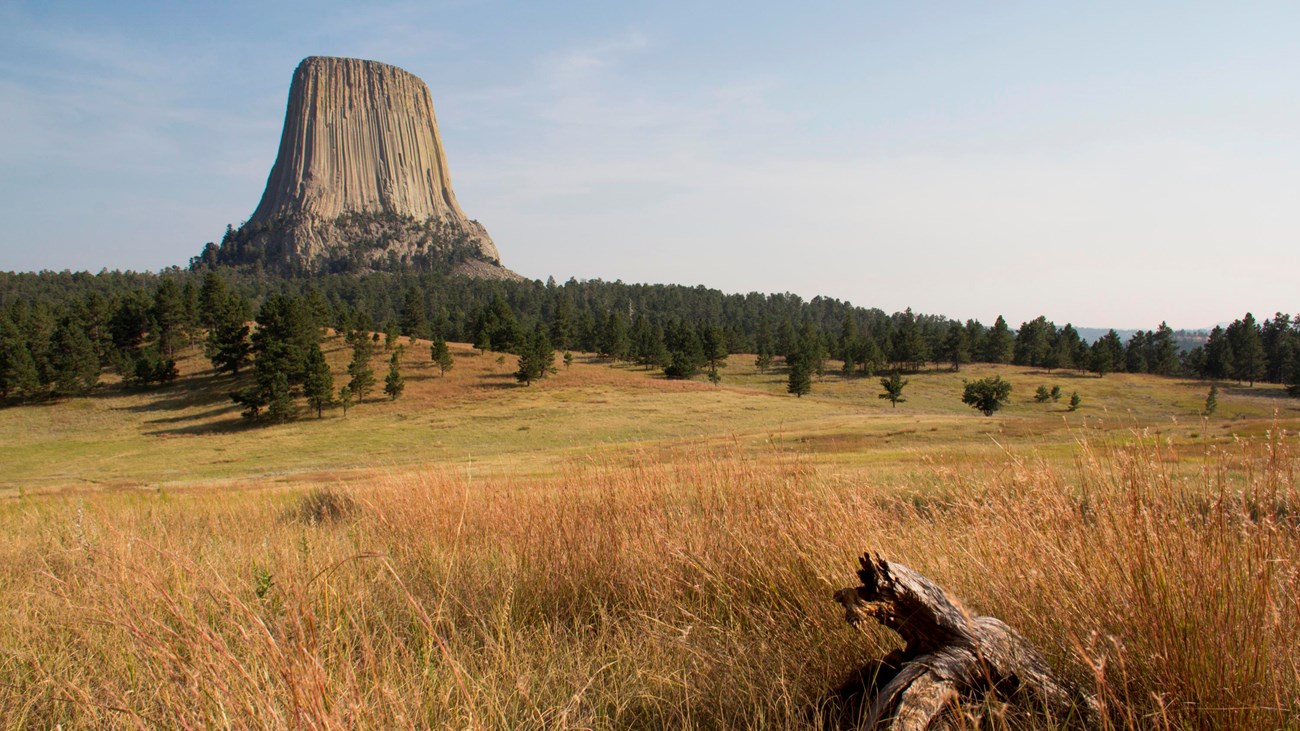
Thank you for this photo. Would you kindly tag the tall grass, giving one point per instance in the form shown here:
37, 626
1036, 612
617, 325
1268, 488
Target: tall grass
687, 591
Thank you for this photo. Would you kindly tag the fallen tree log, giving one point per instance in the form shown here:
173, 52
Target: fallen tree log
949, 657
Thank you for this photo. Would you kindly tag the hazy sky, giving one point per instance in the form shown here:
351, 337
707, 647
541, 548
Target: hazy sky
1114, 164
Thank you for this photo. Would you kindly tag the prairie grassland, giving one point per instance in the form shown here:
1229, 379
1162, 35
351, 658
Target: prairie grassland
609, 550
644, 592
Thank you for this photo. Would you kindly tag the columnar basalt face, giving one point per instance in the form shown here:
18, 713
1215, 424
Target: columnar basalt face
361, 178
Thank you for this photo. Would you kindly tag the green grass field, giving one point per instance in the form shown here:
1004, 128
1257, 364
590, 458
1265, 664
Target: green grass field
477, 417
608, 549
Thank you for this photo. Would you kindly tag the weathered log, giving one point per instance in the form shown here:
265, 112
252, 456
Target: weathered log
949, 656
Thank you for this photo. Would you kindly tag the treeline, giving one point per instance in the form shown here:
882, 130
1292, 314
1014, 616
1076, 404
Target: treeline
59, 331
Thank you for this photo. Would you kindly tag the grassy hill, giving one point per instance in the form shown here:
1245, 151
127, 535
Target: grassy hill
609, 549
476, 414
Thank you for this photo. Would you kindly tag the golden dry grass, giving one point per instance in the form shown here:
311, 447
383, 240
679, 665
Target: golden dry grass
610, 550
644, 592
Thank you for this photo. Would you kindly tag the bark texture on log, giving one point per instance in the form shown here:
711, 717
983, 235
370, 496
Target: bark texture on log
949, 655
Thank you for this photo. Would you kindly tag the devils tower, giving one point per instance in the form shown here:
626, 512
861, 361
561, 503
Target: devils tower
360, 182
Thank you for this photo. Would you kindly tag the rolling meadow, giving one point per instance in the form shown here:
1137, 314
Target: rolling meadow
609, 549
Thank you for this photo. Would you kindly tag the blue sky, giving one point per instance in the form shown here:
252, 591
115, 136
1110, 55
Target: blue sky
1109, 164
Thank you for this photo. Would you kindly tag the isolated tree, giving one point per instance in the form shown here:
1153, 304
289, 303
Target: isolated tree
1055, 393
1075, 401
987, 394
893, 389
361, 374
345, 399
1211, 401
568, 360
318, 385
441, 356
1042, 395
394, 384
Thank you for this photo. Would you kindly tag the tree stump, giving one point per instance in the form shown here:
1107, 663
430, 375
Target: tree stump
949, 656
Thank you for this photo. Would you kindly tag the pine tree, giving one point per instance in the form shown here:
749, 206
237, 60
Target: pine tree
361, 374
441, 356
168, 315
1211, 400
318, 385
715, 351
390, 336
1075, 401
800, 378
1218, 355
72, 358
1055, 393
893, 389
345, 399
987, 394
228, 345
568, 360
1248, 357
1042, 395
279, 399
18, 375
956, 346
394, 384
999, 344
412, 322
536, 357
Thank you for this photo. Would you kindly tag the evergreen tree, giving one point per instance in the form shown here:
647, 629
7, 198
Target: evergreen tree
228, 345
987, 394
763, 346
394, 384
390, 336
536, 358
956, 346
893, 389
1248, 357
999, 344
1075, 401
568, 360
18, 375
345, 399
800, 379
1218, 355
441, 356
1055, 393
1042, 395
318, 385
1164, 351
1106, 354
168, 315
1033, 342
279, 398
412, 322
1211, 401
614, 342
362, 376
908, 347
715, 351
73, 359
